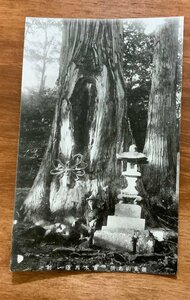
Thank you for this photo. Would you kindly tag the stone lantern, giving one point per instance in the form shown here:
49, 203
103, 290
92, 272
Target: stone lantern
132, 174
125, 230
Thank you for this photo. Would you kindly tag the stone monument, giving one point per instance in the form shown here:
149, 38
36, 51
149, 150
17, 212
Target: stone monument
125, 230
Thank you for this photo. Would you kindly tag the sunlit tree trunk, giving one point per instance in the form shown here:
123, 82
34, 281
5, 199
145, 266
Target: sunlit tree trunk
44, 63
161, 145
43, 78
90, 119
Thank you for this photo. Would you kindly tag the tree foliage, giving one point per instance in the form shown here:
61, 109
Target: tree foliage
36, 119
137, 64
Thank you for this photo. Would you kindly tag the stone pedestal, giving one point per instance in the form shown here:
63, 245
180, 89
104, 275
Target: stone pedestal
128, 210
125, 231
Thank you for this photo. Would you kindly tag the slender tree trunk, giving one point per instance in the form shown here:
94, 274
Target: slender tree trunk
90, 119
44, 63
161, 146
43, 78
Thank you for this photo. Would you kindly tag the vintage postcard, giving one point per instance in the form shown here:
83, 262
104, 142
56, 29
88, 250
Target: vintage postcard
98, 164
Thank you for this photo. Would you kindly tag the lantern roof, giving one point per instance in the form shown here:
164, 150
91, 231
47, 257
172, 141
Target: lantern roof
132, 155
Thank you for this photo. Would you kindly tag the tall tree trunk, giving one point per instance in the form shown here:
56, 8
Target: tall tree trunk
90, 119
43, 78
161, 146
44, 62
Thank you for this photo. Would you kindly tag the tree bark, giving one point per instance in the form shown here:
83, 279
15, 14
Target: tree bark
44, 63
43, 78
90, 119
159, 175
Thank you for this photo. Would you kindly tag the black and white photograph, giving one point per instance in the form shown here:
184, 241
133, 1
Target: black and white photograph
97, 185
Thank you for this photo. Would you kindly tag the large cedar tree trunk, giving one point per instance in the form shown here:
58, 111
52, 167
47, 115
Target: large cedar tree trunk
159, 174
90, 119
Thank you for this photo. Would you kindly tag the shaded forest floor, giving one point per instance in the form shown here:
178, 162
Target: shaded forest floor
55, 257
32, 250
